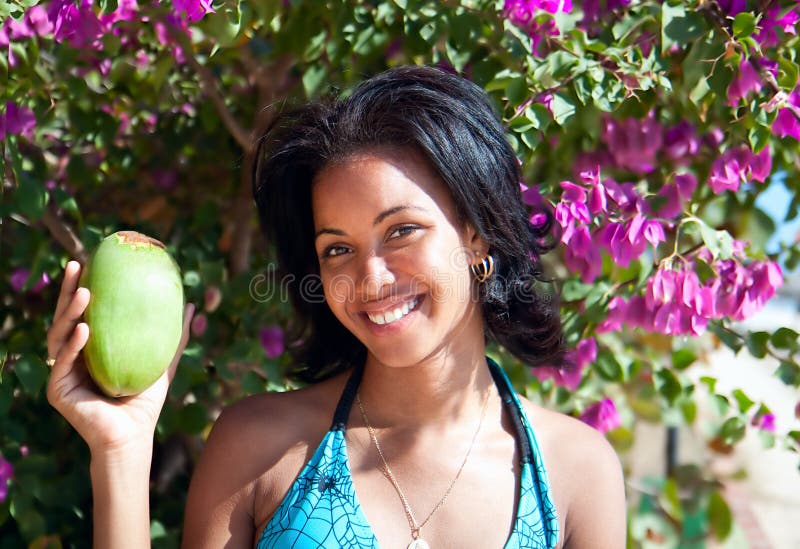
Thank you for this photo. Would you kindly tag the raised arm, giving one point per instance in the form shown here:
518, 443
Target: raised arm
119, 432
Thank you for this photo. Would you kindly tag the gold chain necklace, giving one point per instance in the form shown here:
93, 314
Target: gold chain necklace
417, 541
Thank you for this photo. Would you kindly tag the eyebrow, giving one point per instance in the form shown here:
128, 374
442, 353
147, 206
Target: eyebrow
378, 218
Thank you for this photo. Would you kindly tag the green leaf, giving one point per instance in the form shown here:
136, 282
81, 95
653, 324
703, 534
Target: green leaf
31, 372
788, 72
689, 410
759, 136
720, 517
608, 367
574, 289
670, 500
733, 430
744, 24
699, 91
784, 338
742, 399
31, 196
312, 79
789, 373
678, 28
193, 418
563, 108
667, 385
757, 343
683, 358
729, 338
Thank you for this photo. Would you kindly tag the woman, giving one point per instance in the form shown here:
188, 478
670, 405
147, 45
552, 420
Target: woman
402, 204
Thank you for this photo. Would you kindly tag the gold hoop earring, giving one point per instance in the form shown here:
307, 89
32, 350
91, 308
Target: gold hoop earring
484, 269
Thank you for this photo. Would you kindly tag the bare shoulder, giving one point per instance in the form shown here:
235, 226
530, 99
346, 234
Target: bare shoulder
255, 449
586, 478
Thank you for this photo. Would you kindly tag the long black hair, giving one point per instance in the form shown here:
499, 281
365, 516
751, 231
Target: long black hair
450, 121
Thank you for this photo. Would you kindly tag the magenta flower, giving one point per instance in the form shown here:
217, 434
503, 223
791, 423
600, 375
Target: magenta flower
765, 422
770, 22
193, 10
602, 416
681, 143
732, 7
584, 354
786, 123
674, 194
6, 473
761, 165
212, 297
34, 23
77, 24
633, 142
583, 256
627, 241
736, 165
272, 341
17, 121
19, 278
199, 325
746, 81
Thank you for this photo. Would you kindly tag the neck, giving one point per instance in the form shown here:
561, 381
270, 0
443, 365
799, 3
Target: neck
448, 386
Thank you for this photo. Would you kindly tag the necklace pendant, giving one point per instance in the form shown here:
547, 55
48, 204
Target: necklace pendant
419, 543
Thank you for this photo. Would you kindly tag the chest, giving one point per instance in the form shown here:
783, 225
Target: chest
346, 497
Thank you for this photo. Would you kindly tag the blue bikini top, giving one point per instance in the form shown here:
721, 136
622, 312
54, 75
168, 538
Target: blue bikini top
321, 509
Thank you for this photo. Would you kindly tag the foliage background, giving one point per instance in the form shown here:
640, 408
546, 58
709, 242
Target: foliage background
124, 116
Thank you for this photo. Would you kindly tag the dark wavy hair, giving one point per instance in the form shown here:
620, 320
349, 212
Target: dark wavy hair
451, 122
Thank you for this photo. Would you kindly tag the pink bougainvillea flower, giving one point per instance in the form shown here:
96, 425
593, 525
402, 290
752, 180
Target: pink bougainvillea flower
767, 35
582, 255
737, 165
681, 142
672, 196
584, 354
77, 24
761, 165
17, 121
272, 341
20, 276
764, 421
531, 195
633, 142
193, 10
199, 324
6, 473
212, 299
746, 80
786, 123
602, 415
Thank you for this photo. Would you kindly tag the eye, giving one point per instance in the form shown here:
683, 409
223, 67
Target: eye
403, 230
333, 251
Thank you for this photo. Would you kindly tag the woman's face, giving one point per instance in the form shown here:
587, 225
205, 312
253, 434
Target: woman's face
394, 259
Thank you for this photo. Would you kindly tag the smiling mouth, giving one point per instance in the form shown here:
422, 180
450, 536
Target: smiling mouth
395, 314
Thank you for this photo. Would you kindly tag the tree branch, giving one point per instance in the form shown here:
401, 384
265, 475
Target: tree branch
64, 235
209, 86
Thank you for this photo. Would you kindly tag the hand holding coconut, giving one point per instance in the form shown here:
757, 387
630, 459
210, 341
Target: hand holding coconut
120, 327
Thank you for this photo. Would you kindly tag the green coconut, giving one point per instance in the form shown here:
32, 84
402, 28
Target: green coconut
135, 312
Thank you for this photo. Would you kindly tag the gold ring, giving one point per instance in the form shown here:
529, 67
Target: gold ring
50, 362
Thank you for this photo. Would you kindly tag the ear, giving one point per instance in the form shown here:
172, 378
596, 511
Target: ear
475, 243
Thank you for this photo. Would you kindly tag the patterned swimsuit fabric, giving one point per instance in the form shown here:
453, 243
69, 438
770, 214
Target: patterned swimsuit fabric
321, 509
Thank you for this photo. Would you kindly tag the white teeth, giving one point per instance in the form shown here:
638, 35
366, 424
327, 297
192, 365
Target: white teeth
393, 315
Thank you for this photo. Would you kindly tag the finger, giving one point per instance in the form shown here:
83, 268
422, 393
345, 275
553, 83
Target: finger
65, 376
65, 325
72, 273
188, 313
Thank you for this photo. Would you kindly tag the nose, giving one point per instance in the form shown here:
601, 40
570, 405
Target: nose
376, 274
